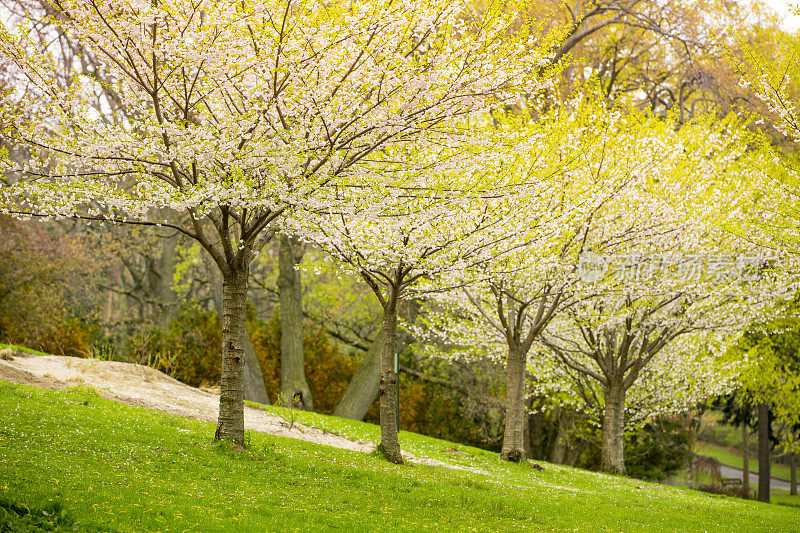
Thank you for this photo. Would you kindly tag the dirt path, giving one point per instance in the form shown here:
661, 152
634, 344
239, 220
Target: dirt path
146, 387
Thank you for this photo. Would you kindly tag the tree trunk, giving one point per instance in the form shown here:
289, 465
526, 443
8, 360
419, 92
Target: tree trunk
745, 460
165, 297
514, 433
113, 304
574, 452
612, 455
558, 451
387, 389
793, 475
535, 435
363, 388
230, 425
294, 388
254, 388
764, 450
526, 434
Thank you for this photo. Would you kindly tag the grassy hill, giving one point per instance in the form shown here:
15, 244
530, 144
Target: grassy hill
72, 460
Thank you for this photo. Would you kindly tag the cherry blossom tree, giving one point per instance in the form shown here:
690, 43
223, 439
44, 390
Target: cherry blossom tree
232, 114
681, 273
628, 363
419, 228
507, 299
683, 374
591, 195
626, 181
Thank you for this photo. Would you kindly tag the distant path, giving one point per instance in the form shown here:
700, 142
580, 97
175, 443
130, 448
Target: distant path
775, 483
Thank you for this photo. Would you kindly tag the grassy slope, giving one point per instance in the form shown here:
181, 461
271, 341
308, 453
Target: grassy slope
72, 456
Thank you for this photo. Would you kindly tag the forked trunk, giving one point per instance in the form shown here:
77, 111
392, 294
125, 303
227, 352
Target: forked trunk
363, 388
611, 455
514, 433
764, 451
230, 425
388, 386
294, 387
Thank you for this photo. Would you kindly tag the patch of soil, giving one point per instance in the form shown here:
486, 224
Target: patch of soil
146, 387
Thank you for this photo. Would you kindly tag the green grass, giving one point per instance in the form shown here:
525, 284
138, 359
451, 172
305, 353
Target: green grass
22, 349
77, 461
734, 459
785, 499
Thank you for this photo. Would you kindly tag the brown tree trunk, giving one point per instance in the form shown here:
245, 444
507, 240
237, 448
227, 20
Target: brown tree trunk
558, 451
165, 297
574, 452
230, 425
526, 443
390, 444
612, 454
745, 460
363, 388
254, 388
113, 303
793, 475
535, 435
294, 388
764, 451
514, 433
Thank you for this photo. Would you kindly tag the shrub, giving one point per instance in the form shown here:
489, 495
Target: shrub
716, 488
189, 349
45, 288
328, 370
658, 450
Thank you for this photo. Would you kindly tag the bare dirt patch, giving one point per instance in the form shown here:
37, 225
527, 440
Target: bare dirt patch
146, 387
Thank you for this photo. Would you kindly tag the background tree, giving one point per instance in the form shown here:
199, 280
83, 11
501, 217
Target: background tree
294, 389
739, 413
770, 385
